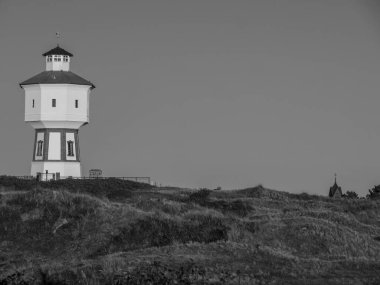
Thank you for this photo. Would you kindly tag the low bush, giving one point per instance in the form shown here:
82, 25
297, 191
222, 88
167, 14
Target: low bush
31, 220
200, 195
16, 183
164, 205
374, 193
351, 195
152, 231
203, 228
238, 207
112, 188
9, 221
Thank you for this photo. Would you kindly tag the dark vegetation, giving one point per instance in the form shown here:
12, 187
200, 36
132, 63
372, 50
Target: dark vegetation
121, 232
111, 188
351, 195
374, 193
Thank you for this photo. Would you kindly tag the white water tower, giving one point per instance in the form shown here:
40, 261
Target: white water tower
56, 106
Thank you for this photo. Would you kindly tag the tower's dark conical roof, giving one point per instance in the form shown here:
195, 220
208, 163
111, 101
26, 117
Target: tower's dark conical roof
57, 77
57, 51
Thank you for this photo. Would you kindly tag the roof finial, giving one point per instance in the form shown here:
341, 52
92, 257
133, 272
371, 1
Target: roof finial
335, 177
58, 36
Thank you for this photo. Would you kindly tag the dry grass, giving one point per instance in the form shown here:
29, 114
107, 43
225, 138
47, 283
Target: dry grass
250, 236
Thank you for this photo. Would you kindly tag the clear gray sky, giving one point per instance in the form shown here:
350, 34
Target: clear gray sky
204, 93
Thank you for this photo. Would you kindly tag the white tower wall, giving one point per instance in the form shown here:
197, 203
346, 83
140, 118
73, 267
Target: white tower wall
56, 106
66, 169
54, 152
71, 102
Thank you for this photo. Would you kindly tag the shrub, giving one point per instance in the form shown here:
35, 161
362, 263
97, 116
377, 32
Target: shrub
200, 195
155, 231
16, 183
200, 227
112, 188
374, 193
9, 220
242, 232
238, 207
351, 195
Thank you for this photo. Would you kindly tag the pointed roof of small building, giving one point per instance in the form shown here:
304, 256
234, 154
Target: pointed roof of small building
57, 51
335, 190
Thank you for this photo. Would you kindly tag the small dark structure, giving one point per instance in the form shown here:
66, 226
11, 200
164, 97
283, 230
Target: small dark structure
95, 173
335, 190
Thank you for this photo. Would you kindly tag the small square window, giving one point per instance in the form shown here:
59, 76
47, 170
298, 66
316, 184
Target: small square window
53, 103
76, 103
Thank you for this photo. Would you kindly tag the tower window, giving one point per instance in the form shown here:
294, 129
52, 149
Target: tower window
57, 58
49, 58
70, 148
53, 103
39, 147
65, 58
76, 103
33, 103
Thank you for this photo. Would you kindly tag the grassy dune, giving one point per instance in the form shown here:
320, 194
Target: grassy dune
121, 232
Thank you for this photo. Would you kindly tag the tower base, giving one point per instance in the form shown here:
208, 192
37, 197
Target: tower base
60, 169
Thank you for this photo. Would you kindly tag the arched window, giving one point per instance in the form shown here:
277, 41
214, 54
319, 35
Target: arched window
39, 147
70, 148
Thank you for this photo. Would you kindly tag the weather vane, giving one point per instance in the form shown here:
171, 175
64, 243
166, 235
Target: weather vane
58, 36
